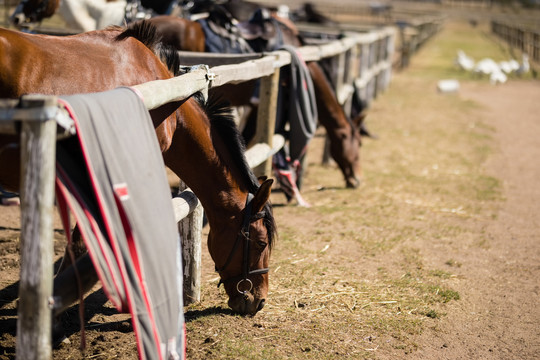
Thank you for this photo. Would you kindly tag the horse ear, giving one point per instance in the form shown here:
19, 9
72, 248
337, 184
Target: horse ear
262, 195
262, 179
359, 119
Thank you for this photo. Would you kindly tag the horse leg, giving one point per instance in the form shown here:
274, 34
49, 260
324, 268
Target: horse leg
74, 278
73, 282
69, 286
74, 250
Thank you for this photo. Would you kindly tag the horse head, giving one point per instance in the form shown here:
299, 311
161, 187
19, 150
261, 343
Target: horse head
346, 153
239, 241
243, 267
240, 217
32, 11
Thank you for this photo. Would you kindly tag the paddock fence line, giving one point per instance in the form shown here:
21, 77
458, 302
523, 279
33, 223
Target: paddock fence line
41, 121
524, 38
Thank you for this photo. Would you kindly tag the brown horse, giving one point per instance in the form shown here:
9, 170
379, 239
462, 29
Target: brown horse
202, 146
343, 133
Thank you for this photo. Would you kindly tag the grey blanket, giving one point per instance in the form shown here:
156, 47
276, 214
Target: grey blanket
113, 179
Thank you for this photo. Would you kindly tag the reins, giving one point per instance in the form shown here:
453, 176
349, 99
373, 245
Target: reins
244, 235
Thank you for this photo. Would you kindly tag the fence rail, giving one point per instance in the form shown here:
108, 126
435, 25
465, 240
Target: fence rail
368, 58
519, 37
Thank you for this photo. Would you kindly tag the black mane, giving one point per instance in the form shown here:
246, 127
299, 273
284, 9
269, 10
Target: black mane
147, 33
221, 120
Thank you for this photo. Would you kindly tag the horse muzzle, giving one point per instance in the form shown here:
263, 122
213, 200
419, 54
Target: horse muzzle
352, 182
17, 19
246, 304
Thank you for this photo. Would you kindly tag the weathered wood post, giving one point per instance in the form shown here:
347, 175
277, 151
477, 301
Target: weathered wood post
38, 147
190, 230
266, 118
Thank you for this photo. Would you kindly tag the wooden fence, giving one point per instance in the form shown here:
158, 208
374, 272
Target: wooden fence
363, 58
526, 39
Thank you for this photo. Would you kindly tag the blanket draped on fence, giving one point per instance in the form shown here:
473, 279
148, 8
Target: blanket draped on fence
297, 121
113, 179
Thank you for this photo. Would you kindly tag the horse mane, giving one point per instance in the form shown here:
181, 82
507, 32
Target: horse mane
221, 120
147, 33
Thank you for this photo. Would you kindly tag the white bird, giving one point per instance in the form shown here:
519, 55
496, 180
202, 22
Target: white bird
508, 67
463, 61
497, 77
486, 66
514, 65
524, 67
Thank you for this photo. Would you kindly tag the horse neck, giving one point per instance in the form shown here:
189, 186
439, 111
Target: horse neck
193, 156
331, 114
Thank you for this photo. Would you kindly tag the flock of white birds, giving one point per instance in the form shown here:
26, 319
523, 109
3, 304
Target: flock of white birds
497, 72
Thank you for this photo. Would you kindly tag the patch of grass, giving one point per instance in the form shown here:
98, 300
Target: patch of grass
488, 189
433, 314
449, 295
453, 263
440, 273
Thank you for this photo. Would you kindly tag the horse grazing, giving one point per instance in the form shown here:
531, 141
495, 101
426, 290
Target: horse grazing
343, 133
199, 143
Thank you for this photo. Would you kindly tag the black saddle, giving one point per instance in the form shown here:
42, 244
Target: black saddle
260, 25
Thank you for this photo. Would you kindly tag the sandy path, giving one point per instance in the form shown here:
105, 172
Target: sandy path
498, 317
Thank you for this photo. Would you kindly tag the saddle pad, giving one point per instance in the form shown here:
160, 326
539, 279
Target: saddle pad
112, 177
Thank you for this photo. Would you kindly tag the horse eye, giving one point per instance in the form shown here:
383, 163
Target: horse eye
261, 244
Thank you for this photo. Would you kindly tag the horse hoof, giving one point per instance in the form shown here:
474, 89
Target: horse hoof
353, 183
59, 337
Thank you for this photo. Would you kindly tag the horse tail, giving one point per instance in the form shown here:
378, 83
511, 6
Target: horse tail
148, 34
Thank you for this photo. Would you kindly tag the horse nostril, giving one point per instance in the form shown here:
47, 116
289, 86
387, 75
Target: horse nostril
18, 19
261, 305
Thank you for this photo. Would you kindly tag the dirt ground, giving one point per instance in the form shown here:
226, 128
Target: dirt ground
496, 316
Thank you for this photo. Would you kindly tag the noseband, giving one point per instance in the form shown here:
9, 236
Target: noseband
244, 235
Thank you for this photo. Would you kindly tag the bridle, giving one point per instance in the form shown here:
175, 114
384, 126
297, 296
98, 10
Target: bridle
244, 235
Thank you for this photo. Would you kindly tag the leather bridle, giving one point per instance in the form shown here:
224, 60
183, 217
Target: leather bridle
243, 236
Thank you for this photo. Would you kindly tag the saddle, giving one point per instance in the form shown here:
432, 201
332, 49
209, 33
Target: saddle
222, 34
260, 33
261, 25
